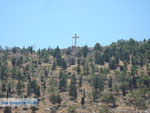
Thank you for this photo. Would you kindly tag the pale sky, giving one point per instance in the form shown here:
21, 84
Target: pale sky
54, 22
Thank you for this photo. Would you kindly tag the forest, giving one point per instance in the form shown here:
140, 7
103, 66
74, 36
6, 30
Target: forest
99, 79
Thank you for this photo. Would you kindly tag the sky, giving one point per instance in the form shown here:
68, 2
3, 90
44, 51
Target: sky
51, 23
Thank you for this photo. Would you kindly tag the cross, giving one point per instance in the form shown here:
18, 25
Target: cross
75, 38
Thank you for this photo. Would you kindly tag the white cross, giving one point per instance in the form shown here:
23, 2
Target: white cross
75, 38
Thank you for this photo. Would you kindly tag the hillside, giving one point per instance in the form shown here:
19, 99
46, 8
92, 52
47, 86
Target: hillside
111, 79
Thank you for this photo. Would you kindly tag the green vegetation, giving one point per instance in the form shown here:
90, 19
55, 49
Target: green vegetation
82, 76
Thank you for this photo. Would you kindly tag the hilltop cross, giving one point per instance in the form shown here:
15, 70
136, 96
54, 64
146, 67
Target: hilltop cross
75, 38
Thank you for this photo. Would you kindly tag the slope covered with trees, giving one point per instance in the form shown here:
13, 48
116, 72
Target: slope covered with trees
78, 79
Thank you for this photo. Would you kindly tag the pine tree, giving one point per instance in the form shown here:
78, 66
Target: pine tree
20, 86
78, 69
4, 72
98, 84
62, 81
110, 82
99, 58
54, 65
55, 98
78, 61
44, 85
86, 69
3, 87
63, 64
80, 81
72, 61
14, 50
93, 68
82, 102
85, 51
57, 53
13, 61
38, 91
97, 47
111, 99
123, 90
72, 87
112, 64
29, 89
94, 94
7, 94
